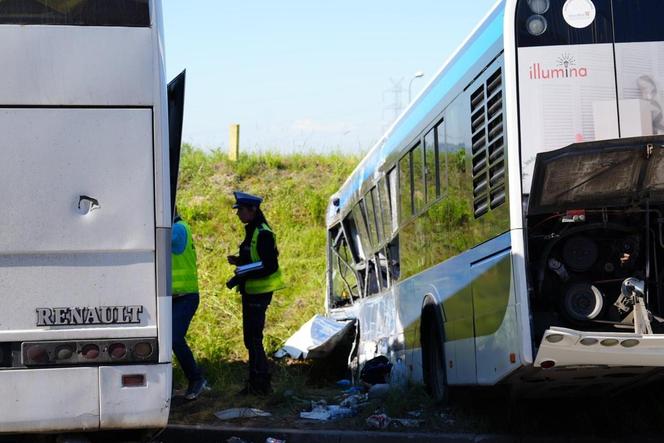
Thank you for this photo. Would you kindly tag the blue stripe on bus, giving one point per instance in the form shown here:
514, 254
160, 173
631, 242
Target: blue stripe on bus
451, 76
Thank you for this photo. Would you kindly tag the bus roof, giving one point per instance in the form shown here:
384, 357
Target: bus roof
485, 35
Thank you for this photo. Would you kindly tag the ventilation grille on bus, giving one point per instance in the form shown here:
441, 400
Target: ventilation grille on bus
488, 145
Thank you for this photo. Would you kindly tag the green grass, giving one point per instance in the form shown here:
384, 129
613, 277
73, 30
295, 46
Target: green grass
296, 189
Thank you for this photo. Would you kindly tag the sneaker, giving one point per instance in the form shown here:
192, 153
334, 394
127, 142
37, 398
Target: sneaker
196, 388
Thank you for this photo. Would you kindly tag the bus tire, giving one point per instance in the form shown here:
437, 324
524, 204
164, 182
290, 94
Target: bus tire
432, 337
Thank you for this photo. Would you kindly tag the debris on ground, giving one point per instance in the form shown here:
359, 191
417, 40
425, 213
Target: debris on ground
379, 391
274, 440
354, 390
322, 411
376, 371
383, 421
230, 414
345, 383
398, 377
354, 401
378, 421
316, 338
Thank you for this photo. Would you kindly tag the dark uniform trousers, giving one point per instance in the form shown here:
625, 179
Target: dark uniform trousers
254, 307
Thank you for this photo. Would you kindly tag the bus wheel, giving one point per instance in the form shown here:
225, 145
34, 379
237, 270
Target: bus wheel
433, 352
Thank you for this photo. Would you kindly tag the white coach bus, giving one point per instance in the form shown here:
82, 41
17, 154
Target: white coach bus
85, 309
508, 227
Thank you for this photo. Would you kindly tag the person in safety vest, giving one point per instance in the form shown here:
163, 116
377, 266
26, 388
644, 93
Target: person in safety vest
257, 276
185, 303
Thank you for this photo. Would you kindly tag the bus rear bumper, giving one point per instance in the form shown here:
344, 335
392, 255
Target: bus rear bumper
562, 347
82, 399
140, 407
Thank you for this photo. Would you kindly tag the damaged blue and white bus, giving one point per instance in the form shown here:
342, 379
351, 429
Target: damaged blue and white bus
507, 229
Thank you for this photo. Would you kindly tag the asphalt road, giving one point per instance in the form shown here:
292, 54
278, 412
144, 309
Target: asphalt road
209, 434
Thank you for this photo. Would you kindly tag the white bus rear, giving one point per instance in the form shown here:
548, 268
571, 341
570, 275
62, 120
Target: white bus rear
85, 223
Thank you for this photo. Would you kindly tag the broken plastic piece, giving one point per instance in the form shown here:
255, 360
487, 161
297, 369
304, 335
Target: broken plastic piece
323, 412
230, 414
316, 338
378, 421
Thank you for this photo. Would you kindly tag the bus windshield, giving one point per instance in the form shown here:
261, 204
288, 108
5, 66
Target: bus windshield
75, 12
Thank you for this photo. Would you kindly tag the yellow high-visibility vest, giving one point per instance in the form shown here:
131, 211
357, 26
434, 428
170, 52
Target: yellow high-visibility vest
185, 272
272, 282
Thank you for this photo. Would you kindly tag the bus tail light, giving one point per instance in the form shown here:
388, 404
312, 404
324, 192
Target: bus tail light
116, 351
143, 350
64, 352
90, 351
37, 354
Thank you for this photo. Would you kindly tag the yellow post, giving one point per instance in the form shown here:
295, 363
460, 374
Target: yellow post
234, 148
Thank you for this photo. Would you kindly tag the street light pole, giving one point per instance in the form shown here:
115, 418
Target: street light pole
418, 74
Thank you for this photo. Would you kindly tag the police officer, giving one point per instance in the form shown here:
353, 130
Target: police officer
259, 249
185, 303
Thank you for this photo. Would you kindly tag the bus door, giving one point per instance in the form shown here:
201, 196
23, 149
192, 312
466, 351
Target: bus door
639, 45
567, 83
175, 121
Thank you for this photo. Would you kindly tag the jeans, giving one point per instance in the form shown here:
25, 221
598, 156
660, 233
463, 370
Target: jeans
254, 307
184, 308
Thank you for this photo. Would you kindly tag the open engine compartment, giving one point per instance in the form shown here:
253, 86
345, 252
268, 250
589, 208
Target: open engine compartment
595, 233
593, 269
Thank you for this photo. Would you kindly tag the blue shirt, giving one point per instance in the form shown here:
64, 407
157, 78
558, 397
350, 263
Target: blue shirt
178, 238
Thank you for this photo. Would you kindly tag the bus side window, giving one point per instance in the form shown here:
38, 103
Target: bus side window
405, 189
383, 268
418, 178
345, 287
393, 191
372, 274
442, 158
370, 217
378, 215
430, 162
386, 213
364, 245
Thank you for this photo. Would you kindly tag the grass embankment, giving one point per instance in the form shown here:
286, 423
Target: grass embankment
296, 189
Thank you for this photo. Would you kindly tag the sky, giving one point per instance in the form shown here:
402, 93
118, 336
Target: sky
306, 75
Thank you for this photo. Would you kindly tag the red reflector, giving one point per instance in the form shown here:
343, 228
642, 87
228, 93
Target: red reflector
133, 380
117, 351
37, 354
512, 358
547, 364
90, 352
